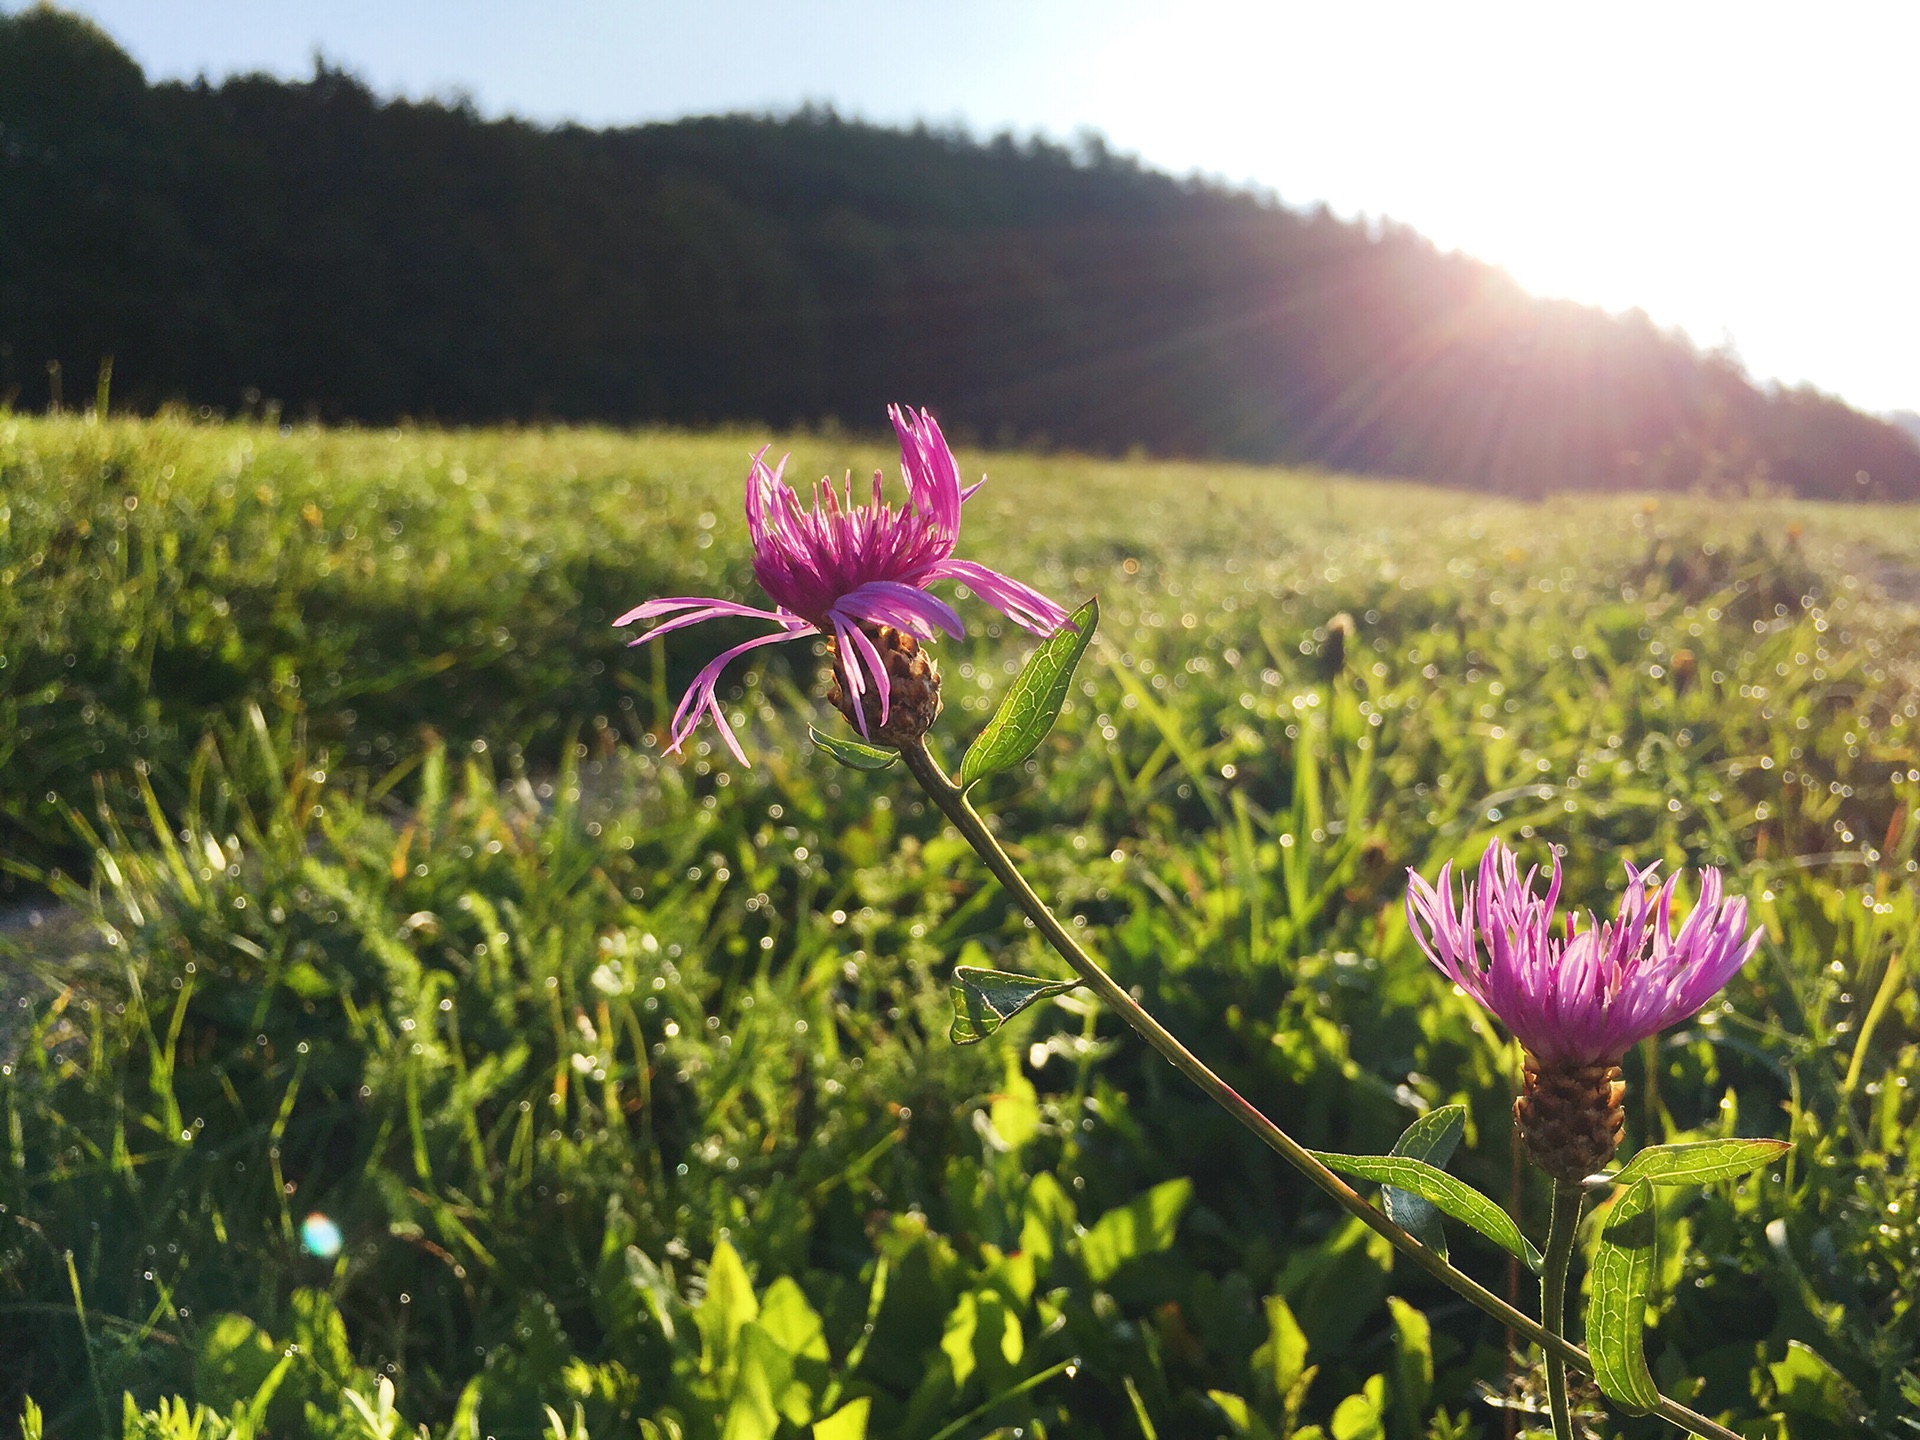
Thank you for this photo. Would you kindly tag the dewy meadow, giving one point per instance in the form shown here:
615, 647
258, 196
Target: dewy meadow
397, 1037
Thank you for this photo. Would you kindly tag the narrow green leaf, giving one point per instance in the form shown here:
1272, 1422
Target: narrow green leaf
1033, 703
1457, 1199
984, 1000
1431, 1138
1617, 1304
1700, 1162
854, 754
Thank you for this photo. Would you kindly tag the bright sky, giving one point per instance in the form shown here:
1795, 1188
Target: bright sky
1745, 171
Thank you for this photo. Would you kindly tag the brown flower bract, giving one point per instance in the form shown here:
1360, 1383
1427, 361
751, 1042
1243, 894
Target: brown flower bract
914, 703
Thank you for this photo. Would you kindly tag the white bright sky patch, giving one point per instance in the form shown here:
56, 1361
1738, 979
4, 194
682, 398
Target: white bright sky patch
1747, 172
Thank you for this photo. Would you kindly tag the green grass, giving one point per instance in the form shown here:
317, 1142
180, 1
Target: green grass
627, 1079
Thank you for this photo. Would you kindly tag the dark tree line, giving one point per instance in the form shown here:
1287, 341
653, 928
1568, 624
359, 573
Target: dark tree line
356, 259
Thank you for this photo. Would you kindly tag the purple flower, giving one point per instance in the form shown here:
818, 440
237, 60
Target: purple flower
1586, 998
840, 566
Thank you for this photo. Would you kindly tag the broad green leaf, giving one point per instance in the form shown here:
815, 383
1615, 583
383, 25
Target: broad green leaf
1282, 1360
1047, 1218
1457, 1199
1617, 1302
788, 1316
984, 1000
1015, 1111
1246, 1422
1362, 1416
1700, 1162
759, 1377
849, 1422
956, 1340
983, 1336
1413, 1347
321, 1335
1808, 1387
727, 1306
1431, 1138
854, 754
793, 1324
236, 1360
1033, 702
1141, 1226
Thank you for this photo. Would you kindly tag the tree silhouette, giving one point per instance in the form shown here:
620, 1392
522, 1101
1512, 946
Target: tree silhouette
358, 259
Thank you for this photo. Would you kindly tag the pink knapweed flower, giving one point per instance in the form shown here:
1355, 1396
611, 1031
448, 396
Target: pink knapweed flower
1589, 995
839, 566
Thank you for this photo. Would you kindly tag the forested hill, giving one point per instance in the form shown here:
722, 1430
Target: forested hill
311, 246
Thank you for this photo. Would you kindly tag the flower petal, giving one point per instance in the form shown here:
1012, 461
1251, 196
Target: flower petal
1592, 993
700, 696
1024, 605
860, 661
709, 607
933, 480
905, 607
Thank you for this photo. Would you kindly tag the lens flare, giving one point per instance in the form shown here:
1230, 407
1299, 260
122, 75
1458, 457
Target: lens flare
320, 1237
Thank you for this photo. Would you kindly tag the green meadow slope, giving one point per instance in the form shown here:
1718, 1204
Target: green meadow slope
368, 893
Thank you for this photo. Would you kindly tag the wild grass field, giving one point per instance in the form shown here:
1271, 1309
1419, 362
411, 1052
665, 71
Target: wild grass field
346, 878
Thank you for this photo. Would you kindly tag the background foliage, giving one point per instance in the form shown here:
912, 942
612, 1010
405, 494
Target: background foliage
309, 249
626, 1078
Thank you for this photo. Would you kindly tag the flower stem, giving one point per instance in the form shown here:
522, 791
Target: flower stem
954, 805
1567, 1200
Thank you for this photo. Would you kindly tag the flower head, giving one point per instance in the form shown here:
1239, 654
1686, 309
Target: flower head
844, 570
1588, 996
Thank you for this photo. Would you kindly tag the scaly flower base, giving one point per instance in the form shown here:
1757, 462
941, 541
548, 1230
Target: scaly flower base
914, 682
1571, 1117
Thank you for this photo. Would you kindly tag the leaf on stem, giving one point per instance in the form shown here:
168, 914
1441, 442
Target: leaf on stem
1033, 703
1456, 1198
854, 754
1699, 1162
1431, 1138
984, 1000
1617, 1305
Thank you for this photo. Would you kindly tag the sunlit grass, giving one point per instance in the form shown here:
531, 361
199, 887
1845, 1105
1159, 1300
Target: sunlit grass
625, 1078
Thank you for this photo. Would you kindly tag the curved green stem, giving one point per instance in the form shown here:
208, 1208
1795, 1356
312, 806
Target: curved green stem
1567, 1199
954, 805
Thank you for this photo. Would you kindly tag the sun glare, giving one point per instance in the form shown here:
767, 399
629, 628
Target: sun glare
1728, 170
